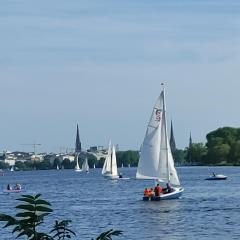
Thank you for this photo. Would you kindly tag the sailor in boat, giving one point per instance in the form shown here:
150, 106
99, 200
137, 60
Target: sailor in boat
17, 187
148, 194
157, 190
9, 187
168, 188
214, 175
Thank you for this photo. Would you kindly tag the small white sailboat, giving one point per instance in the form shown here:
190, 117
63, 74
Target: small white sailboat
156, 160
94, 165
12, 169
77, 168
110, 164
85, 166
57, 168
122, 166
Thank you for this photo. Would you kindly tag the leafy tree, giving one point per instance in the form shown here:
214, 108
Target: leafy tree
195, 153
33, 211
67, 164
108, 235
127, 157
4, 165
56, 163
27, 221
61, 231
179, 156
43, 165
223, 146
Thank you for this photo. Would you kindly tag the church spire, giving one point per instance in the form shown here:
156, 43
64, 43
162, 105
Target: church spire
78, 146
172, 140
190, 149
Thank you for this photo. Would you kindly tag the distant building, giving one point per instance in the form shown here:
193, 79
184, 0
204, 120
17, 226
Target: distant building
78, 145
172, 140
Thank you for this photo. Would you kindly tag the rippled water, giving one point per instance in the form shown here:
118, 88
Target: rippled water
207, 210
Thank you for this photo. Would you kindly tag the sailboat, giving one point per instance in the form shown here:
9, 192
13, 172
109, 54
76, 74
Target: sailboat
57, 167
110, 164
12, 169
85, 166
77, 168
156, 160
94, 165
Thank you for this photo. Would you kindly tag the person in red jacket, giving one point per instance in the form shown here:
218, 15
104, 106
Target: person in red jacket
157, 190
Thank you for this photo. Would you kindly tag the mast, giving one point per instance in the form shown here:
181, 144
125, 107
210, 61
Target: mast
165, 129
111, 161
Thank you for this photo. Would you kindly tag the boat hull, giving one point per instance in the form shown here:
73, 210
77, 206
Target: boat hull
12, 191
217, 177
111, 176
175, 194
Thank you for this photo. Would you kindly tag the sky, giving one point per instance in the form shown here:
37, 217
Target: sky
100, 64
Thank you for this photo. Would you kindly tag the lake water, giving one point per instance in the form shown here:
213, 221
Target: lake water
207, 209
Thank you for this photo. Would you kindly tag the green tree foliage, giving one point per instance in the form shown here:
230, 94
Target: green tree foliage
67, 164
56, 163
31, 215
4, 165
179, 156
127, 157
223, 146
108, 234
195, 153
92, 160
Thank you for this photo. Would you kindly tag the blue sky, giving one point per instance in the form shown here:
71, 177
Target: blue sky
101, 63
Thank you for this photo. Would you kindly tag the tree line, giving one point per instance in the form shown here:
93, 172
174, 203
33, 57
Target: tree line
222, 148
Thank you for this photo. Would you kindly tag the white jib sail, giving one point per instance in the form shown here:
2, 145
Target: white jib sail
85, 166
148, 165
107, 163
114, 162
77, 165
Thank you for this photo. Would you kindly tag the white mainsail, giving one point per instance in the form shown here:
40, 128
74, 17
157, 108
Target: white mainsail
110, 164
77, 168
85, 166
156, 161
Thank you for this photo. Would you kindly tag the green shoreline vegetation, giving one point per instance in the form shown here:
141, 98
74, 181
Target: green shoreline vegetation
221, 149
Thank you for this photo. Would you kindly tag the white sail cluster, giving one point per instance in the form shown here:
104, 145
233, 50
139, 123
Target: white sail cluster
110, 164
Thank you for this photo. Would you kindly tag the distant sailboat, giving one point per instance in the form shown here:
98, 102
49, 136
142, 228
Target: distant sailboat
77, 168
129, 165
85, 166
110, 164
57, 167
12, 169
122, 166
156, 161
94, 165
